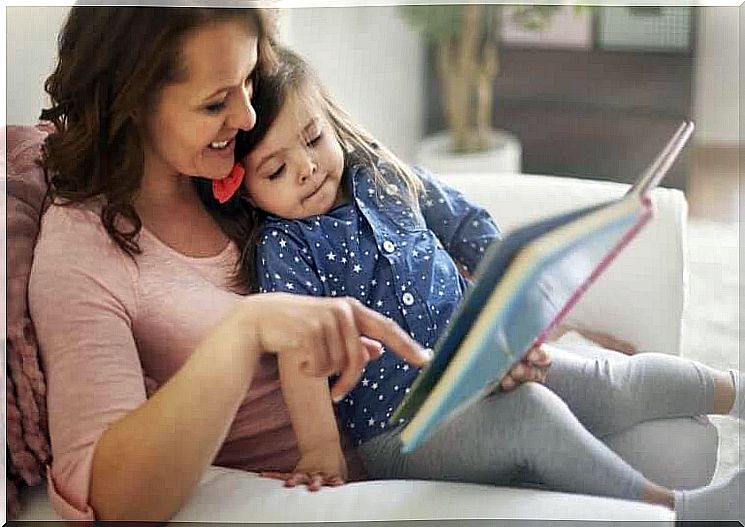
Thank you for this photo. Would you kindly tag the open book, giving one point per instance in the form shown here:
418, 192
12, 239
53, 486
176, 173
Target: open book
525, 285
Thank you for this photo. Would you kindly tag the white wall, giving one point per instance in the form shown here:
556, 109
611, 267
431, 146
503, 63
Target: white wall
716, 90
31, 37
372, 63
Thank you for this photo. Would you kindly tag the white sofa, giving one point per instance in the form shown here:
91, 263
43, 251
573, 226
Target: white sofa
639, 299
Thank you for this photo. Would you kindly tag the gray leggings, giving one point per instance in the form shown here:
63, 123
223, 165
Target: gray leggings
549, 434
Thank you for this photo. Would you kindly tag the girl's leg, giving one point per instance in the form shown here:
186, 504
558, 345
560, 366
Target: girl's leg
531, 435
528, 435
608, 396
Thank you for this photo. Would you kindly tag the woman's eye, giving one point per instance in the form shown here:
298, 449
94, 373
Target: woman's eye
215, 107
249, 85
314, 142
274, 175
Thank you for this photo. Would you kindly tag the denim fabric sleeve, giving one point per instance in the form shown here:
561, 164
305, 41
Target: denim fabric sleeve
284, 263
464, 229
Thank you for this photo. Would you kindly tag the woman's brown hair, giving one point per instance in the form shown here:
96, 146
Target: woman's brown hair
112, 64
293, 75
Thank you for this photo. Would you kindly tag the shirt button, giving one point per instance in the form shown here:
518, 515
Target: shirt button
389, 246
408, 299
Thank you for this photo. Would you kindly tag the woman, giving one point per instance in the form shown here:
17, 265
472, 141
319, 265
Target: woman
131, 283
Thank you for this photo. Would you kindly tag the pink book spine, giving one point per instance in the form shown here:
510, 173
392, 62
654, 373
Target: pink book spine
602, 266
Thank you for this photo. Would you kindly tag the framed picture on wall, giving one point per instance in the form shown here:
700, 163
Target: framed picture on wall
659, 28
566, 28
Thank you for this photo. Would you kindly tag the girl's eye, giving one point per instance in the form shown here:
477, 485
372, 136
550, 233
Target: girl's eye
274, 175
215, 107
314, 142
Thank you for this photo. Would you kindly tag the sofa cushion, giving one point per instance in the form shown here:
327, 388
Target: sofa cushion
228, 495
27, 435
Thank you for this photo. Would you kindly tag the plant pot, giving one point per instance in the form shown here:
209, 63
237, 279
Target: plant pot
432, 153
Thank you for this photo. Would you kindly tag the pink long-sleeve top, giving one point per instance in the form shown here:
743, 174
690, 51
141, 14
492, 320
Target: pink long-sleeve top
104, 322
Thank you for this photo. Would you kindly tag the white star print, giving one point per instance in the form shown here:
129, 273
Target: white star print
331, 256
283, 243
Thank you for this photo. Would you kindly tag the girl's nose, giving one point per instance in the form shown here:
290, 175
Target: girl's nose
308, 170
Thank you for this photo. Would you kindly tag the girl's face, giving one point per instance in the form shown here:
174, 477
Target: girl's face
296, 169
192, 127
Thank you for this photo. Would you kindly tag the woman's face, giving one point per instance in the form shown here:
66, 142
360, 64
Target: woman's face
192, 127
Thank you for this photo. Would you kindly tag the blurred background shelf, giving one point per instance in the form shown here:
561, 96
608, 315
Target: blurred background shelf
592, 111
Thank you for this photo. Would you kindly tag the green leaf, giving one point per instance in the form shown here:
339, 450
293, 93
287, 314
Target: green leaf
436, 23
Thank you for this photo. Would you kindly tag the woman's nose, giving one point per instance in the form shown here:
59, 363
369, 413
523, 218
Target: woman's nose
242, 115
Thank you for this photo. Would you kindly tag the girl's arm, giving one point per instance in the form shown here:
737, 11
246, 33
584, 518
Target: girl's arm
312, 414
308, 399
283, 266
464, 229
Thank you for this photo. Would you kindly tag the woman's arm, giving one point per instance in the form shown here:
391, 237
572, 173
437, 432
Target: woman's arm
146, 464
119, 456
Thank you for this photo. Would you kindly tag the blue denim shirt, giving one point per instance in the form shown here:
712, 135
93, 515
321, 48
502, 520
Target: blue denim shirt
399, 261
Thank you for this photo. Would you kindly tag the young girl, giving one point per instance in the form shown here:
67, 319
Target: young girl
341, 216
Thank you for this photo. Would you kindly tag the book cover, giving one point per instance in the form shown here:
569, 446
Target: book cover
525, 286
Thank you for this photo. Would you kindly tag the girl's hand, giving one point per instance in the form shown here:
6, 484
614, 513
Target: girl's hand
533, 368
328, 334
322, 466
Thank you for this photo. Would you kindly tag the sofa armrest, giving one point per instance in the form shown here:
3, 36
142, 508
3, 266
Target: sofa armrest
640, 297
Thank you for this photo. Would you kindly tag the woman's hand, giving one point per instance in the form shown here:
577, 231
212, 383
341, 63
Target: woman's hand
328, 333
323, 466
533, 368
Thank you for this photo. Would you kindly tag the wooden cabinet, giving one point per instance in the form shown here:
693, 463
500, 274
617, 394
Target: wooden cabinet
589, 113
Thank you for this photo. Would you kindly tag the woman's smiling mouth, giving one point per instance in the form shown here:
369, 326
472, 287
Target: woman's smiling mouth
220, 145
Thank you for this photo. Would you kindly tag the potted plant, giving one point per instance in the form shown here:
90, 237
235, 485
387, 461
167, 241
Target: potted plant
465, 39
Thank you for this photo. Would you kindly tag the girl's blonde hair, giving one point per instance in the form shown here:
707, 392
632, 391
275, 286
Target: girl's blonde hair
293, 76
